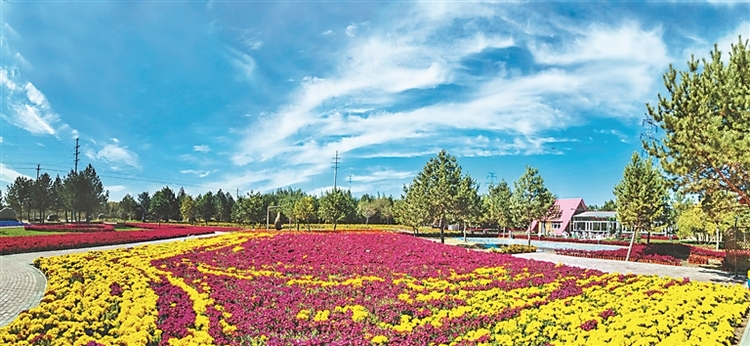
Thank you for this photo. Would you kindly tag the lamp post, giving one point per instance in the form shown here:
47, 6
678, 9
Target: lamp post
268, 213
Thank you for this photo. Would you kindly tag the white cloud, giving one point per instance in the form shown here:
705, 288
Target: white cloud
627, 43
243, 63
609, 70
351, 30
9, 175
26, 106
115, 188
114, 155
621, 136
327, 32
202, 148
31, 118
200, 174
381, 175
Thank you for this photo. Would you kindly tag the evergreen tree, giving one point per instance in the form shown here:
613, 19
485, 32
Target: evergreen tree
42, 195
437, 189
144, 204
706, 119
19, 196
58, 198
531, 200
641, 197
498, 203
128, 206
205, 206
163, 204
469, 208
412, 209
609, 205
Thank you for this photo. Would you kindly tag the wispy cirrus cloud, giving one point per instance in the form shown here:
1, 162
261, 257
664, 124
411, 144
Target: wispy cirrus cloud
9, 175
199, 173
26, 107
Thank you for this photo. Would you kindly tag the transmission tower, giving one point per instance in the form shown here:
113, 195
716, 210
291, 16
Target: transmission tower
648, 133
491, 177
335, 168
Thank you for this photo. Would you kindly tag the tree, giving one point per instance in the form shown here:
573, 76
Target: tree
706, 118
187, 208
205, 207
437, 189
531, 200
384, 206
144, 202
94, 195
128, 207
19, 195
333, 208
469, 203
412, 209
367, 208
85, 192
690, 222
641, 197
498, 203
249, 209
609, 205
163, 204
720, 209
42, 195
224, 203
58, 192
304, 211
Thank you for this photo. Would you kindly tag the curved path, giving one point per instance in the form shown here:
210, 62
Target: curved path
22, 285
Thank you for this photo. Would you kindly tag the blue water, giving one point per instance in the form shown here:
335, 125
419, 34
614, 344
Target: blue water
541, 244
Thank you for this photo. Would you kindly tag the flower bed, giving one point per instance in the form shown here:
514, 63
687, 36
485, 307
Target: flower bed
515, 249
23, 244
662, 253
639, 253
361, 289
71, 227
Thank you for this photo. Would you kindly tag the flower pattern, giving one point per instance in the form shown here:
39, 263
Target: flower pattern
364, 288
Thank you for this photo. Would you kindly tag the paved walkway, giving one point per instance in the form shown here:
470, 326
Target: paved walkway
22, 285
611, 266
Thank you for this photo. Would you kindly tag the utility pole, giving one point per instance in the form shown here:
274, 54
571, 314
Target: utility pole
335, 168
350, 181
37, 171
77, 152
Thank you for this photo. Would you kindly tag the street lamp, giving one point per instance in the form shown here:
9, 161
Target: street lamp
268, 213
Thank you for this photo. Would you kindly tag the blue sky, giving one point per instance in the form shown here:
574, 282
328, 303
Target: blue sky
243, 95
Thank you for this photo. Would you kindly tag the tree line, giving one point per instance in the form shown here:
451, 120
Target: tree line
79, 195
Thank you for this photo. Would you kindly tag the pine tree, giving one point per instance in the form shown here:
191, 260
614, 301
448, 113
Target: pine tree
436, 192
641, 197
706, 119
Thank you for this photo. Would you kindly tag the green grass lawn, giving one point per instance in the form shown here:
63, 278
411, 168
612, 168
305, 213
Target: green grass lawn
19, 231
